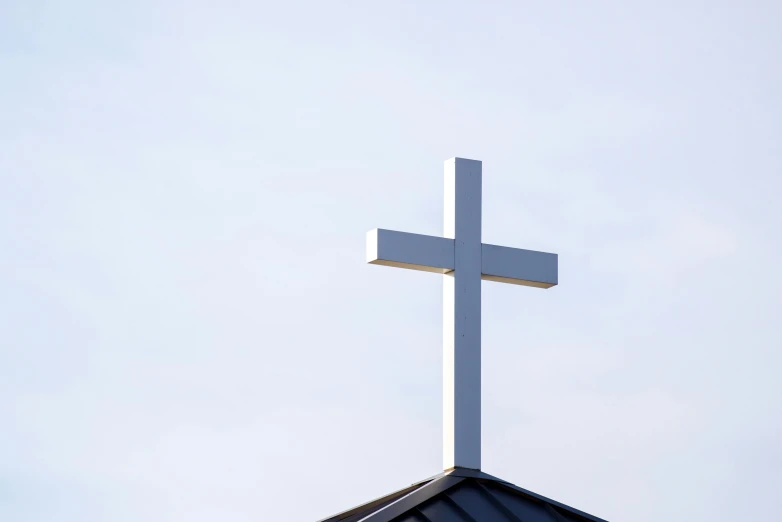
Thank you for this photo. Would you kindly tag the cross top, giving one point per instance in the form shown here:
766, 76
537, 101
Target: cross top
464, 261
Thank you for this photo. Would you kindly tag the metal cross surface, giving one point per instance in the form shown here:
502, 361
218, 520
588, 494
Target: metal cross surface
464, 261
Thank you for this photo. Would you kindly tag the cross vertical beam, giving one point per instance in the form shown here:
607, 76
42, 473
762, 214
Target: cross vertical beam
462, 317
464, 261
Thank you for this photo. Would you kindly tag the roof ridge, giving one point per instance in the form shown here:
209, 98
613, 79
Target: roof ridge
442, 488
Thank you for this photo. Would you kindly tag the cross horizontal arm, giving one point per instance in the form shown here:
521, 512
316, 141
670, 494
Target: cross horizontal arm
413, 251
518, 266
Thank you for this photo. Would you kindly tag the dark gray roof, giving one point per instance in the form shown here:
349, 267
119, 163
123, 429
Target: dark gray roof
463, 495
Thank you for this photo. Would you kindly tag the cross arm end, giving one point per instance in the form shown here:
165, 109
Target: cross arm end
411, 251
519, 267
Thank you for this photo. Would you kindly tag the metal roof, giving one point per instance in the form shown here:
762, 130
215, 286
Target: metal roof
463, 495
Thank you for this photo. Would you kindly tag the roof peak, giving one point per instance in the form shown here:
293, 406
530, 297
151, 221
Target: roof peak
463, 494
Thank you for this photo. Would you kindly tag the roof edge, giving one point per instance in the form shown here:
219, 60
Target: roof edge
378, 502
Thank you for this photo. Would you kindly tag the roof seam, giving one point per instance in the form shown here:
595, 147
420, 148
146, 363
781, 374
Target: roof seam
553, 503
420, 513
499, 504
457, 507
410, 501
556, 514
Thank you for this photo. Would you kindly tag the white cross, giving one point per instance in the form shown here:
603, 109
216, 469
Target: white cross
464, 260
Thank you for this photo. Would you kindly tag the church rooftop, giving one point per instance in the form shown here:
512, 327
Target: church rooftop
463, 495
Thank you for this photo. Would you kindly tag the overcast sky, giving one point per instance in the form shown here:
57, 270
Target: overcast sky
188, 328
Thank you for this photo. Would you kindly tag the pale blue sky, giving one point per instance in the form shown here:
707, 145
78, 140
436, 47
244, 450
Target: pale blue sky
188, 330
